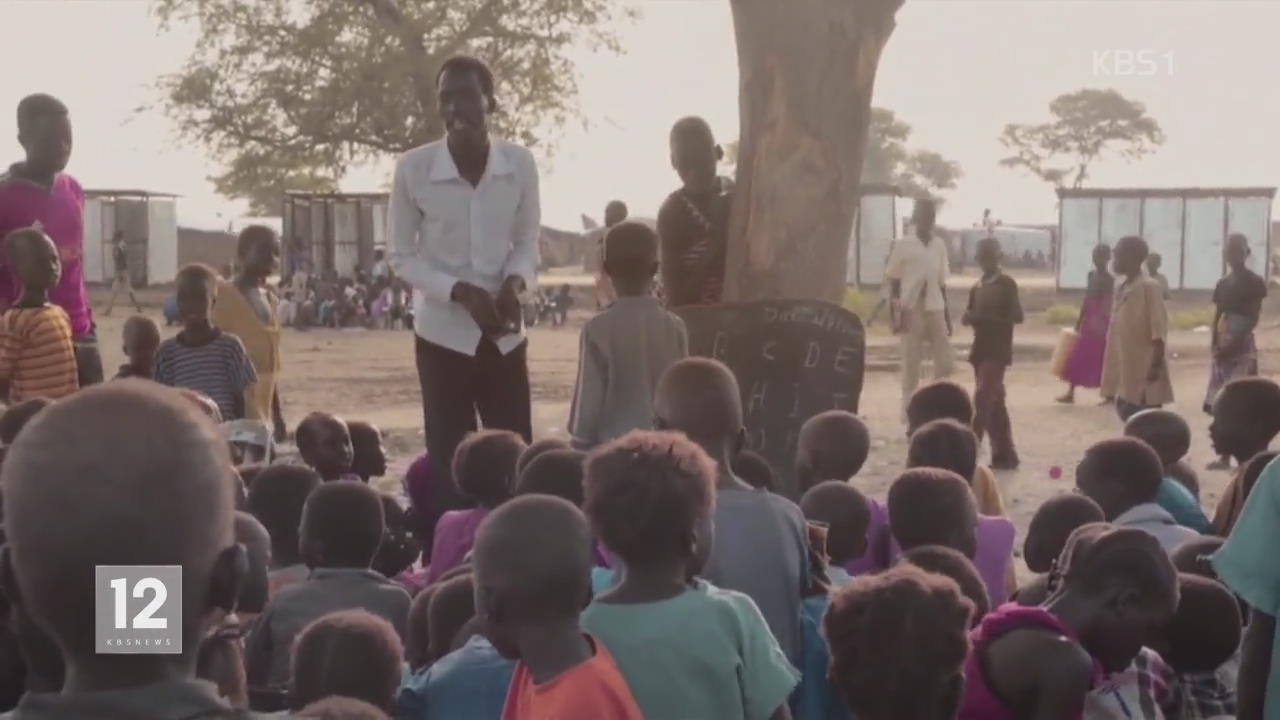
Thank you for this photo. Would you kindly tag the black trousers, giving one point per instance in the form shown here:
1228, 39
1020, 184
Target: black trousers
455, 389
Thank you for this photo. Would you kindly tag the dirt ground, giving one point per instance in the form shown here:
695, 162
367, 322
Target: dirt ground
370, 375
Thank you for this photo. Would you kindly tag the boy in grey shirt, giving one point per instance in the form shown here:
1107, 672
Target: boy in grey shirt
626, 348
342, 526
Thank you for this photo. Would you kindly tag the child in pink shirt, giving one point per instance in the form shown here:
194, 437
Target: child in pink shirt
484, 468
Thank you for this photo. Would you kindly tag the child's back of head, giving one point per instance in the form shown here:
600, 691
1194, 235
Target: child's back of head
700, 398
536, 449
931, 506
1204, 632
532, 565
945, 444
257, 543
831, 446
844, 510
1052, 524
1120, 474
451, 607
484, 466
898, 644
159, 496
1164, 430
351, 653
342, 525
369, 457
340, 708
276, 498
558, 473
631, 257
941, 400
417, 636
1128, 577
950, 563
753, 469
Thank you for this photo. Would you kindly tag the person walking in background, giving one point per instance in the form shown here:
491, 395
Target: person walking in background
464, 223
37, 193
248, 309
917, 273
994, 308
123, 281
1237, 301
1154, 263
1134, 371
614, 213
1084, 366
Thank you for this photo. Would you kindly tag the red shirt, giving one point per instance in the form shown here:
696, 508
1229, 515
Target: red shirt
59, 212
594, 690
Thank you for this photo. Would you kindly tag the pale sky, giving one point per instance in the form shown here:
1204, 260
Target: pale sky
956, 70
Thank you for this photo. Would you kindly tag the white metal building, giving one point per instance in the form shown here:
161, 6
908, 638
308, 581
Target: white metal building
149, 224
1187, 226
333, 231
874, 228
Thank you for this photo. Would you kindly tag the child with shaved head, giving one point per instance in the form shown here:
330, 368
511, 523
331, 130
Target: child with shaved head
159, 496
761, 548
141, 341
1169, 435
533, 578
37, 355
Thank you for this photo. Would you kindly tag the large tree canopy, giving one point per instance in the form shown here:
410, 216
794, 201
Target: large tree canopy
1085, 124
289, 94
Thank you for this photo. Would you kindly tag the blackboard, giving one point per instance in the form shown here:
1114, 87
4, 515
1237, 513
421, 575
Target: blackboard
793, 359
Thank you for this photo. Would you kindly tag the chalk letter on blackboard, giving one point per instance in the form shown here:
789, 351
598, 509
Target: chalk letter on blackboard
844, 357
767, 351
756, 400
719, 345
770, 314
811, 358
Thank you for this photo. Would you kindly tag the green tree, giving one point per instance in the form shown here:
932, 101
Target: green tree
1084, 125
289, 94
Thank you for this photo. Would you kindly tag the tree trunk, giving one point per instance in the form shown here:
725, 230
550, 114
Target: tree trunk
807, 68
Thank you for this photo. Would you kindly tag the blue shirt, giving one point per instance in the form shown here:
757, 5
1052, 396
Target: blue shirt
1178, 501
815, 698
470, 682
1247, 564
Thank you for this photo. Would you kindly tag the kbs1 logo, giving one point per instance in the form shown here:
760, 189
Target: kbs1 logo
1132, 63
138, 609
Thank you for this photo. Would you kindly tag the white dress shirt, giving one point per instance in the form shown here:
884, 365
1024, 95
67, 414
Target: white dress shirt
444, 231
921, 270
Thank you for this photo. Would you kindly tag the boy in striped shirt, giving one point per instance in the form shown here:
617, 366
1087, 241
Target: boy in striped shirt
37, 356
201, 357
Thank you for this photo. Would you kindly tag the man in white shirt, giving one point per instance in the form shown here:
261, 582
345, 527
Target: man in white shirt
464, 224
917, 274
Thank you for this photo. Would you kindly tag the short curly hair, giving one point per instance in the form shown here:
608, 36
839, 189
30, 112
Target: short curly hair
336, 707
452, 606
947, 444
277, 496
752, 468
646, 493
846, 513
536, 449
937, 401
950, 563
1099, 556
351, 653
898, 643
1165, 431
831, 446
1051, 525
931, 506
557, 472
1205, 630
484, 465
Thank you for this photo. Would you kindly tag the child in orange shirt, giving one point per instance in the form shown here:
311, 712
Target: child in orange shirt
532, 563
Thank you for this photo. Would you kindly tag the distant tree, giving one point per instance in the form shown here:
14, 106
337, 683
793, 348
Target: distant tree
1085, 124
288, 95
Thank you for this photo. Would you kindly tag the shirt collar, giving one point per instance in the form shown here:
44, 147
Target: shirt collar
172, 700
443, 168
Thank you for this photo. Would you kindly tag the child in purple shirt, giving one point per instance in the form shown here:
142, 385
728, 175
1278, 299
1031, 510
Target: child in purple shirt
35, 192
484, 468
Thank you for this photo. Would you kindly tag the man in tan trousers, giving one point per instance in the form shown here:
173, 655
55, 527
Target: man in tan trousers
917, 273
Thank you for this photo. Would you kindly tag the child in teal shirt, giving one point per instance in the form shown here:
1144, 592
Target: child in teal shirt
686, 648
1169, 435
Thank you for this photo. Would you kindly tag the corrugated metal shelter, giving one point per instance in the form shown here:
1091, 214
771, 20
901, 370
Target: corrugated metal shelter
332, 231
1187, 226
874, 228
149, 222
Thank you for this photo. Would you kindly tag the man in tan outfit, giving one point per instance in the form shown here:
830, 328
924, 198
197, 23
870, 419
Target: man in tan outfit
1133, 369
917, 273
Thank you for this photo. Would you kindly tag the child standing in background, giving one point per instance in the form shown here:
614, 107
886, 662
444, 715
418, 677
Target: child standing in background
1237, 300
1134, 371
201, 357
141, 340
994, 308
626, 348
37, 355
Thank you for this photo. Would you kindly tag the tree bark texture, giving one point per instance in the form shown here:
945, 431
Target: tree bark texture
806, 72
